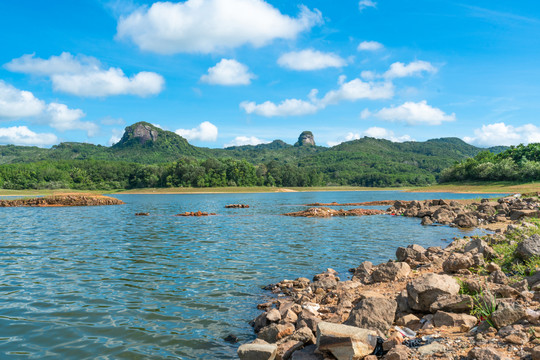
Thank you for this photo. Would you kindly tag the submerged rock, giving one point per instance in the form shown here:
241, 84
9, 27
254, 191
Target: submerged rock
324, 212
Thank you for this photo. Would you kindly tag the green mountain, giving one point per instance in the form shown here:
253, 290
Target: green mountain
168, 159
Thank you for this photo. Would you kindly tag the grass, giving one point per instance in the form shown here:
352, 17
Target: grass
484, 305
482, 187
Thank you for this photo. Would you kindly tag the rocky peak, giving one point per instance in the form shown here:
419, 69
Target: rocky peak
141, 131
305, 139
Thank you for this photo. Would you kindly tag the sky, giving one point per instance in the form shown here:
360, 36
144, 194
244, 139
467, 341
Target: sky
238, 72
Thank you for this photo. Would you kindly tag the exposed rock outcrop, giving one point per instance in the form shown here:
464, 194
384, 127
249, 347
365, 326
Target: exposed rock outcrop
306, 138
62, 200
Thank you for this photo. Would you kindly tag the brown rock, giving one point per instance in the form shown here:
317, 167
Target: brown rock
374, 314
273, 315
457, 261
452, 303
442, 318
345, 342
485, 354
392, 341
286, 349
507, 314
307, 353
257, 352
426, 289
399, 352
391, 271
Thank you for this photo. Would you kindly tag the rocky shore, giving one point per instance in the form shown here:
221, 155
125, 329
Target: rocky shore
479, 298
62, 200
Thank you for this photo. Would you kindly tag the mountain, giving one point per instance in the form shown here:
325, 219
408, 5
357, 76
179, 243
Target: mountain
366, 162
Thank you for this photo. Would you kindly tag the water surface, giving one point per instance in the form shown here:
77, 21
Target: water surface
99, 282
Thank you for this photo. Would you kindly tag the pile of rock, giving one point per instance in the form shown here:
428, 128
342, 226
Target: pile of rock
325, 212
451, 212
237, 206
418, 307
62, 200
196, 213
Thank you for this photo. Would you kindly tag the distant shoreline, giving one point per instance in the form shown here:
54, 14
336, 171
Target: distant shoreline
499, 187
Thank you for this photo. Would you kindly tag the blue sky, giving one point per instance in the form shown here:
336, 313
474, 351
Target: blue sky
224, 72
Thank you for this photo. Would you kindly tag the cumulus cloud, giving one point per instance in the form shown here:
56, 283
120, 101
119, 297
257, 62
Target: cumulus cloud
502, 134
228, 72
15, 103
62, 118
246, 140
399, 69
208, 26
288, 107
348, 91
116, 135
21, 135
370, 46
310, 59
85, 76
366, 3
412, 113
374, 132
206, 131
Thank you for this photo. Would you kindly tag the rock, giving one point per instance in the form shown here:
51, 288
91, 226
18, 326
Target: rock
498, 277
430, 349
452, 303
529, 247
259, 322
535, 353
426, 220
518, 214
392, 341
290, 317
507, 314
307, 353
307, 318
411, 254
492, 267
443, 216
274, 332
485, 354
457, 261
426, 289
363, 272
391, 271
306, 138
442, 318
257, 352
273, 315
465, 221
399, 352
287, 348
373, 313
479, 246
403, 302
345, 342
411, 321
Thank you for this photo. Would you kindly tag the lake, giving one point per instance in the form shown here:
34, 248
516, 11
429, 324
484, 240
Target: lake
101, 283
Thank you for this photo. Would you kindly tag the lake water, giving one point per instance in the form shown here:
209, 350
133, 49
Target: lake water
99, 282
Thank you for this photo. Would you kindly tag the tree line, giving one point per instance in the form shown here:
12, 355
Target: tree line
518, 163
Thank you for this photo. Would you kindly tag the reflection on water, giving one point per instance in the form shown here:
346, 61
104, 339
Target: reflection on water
100, 282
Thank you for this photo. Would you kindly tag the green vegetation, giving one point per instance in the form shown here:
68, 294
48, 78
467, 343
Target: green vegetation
484, 305
149, 157
518, 163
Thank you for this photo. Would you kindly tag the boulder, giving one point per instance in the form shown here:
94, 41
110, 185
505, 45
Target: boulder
487, 353
430, 349
287, 348
498, 277
257, 352
452, 303
273, 315
411, 321
507, 314
373, 313
443, 216
518, 214
426, 289
465, 221
442, 318
391, 271
457, 261
480, 246
274, 332
535, 353
410, 254
363, 272
345, 342
307, 353
399, 352
529, 247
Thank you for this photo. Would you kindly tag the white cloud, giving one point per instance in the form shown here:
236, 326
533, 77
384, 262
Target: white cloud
357, 89
228, 72
62, 118
84, 76
348, 91
399, 69
288, 107
370, 46
21, 135
206, 131
208, 26
15, 103
502, 134
116, 136
245, 140
374, 132
366, 3
310, 59
412, 113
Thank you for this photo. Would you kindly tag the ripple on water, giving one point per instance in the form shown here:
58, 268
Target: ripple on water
81, 283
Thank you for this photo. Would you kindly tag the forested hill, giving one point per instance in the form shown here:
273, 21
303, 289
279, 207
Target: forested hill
170, 160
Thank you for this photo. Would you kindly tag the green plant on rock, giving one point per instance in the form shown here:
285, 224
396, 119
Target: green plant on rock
464, 288
484, 305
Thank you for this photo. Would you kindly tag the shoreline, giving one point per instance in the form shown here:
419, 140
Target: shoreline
473, 299
466, 188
